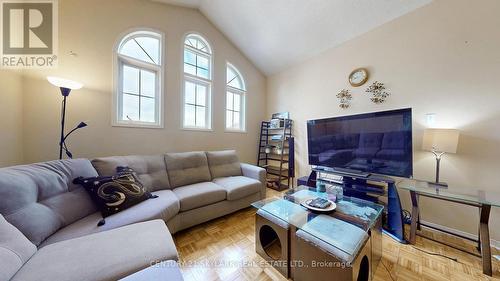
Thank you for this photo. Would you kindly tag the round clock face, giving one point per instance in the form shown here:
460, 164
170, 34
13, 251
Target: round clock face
358, 77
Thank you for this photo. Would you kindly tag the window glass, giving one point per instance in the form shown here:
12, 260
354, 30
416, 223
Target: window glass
148, 83
197, 65
190, 93
146, 49
147, 109
234, 79
229, 100
130, 107
237, 102
130, 80
190, 115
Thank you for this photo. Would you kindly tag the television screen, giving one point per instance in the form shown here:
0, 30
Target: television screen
379, 142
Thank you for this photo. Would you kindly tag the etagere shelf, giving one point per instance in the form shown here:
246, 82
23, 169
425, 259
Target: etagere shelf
276, 152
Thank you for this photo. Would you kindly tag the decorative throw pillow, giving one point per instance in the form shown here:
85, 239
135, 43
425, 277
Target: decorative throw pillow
113, 194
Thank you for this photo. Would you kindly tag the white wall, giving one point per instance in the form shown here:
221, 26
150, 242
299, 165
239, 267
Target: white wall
442, 58
11, 118
91, 28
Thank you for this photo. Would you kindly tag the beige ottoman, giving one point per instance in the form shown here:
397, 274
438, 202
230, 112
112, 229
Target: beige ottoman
272, 241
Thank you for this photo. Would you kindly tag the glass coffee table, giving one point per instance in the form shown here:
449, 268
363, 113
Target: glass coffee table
344, 231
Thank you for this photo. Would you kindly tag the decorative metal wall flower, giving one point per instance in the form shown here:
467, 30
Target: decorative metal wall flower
378, 92
345, 98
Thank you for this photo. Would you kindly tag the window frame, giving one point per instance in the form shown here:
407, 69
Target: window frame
243, 101
208, 103
121, 60
197, 81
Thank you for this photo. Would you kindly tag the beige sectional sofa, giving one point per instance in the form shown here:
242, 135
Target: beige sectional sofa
50, 228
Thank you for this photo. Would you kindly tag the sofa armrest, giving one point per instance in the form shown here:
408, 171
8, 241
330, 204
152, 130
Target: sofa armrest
257, 173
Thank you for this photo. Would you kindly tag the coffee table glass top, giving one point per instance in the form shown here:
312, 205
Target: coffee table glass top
473, 196
346, 228
355, 210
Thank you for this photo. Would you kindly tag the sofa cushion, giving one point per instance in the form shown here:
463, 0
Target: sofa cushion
15, 249
167, 270
187, 168
108, 255
150, 169
239, 186
199, 194
114, 194
45, 194
223, 163
165, 207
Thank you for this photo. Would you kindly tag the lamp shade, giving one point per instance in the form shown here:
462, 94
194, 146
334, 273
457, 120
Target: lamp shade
441, 140
82, 125
64, 83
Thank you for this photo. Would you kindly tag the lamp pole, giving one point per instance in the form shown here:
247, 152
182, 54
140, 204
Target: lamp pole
65, 93
438, 156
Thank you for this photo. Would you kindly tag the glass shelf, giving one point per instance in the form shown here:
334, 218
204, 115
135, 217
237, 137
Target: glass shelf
482, 197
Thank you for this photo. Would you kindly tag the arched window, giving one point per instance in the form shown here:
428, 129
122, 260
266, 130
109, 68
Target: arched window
235, 99
197, 83
139, 95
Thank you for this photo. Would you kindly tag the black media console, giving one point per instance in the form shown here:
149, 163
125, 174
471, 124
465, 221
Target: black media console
374, 188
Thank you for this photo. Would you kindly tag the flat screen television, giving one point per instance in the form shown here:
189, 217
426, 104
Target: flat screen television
378, 142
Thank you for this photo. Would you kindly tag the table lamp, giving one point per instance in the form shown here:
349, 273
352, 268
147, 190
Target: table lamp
65, 86
439, 142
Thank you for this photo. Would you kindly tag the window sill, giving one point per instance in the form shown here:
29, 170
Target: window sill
196, 129
137, 125
235, 131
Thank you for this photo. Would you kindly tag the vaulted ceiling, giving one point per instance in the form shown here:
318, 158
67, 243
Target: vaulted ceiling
276, 34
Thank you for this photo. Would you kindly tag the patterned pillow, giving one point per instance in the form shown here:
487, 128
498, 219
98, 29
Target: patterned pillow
113, 194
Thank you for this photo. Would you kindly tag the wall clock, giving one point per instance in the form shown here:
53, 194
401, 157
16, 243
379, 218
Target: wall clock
358, 77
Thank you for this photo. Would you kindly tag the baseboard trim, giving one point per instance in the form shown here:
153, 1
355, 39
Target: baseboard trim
494, 243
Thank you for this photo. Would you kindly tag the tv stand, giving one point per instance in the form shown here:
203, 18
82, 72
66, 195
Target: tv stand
349, 172
375, 188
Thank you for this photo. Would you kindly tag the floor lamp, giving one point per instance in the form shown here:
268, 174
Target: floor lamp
65, 86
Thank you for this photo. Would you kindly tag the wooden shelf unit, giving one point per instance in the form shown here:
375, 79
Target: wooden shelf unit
279, 161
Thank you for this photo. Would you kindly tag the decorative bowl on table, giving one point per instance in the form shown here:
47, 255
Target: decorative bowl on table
328, 208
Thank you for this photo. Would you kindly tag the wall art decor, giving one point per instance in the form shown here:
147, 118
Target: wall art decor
345, 98
378, 92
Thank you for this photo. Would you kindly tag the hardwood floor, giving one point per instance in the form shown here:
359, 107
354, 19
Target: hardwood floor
223, 249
